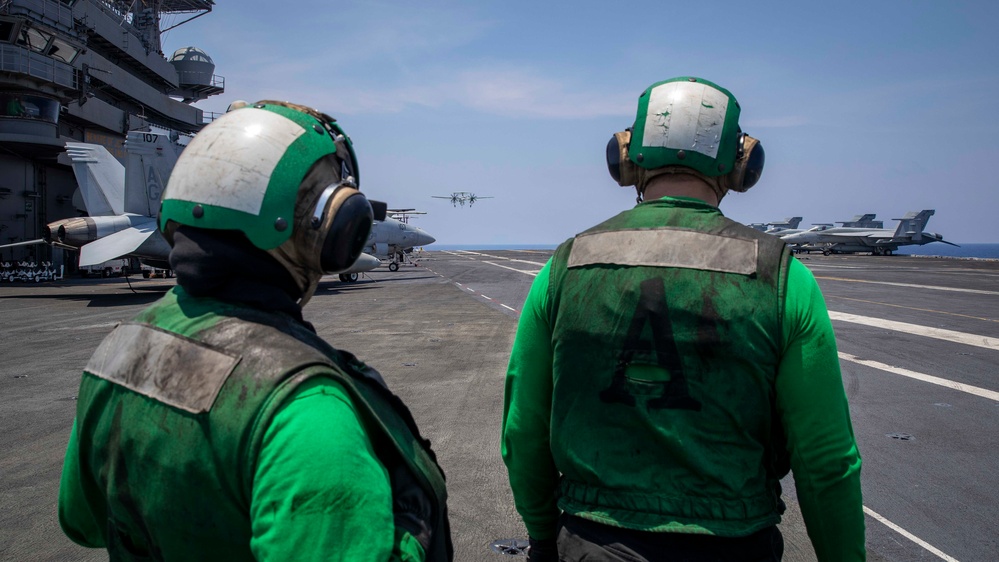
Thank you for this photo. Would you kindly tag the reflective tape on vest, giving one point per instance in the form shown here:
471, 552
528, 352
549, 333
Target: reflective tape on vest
164, 366
666, 247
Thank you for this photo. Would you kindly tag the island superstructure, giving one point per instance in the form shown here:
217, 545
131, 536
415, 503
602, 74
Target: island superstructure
85, 71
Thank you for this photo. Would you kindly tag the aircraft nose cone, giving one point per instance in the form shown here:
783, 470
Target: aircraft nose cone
423, 239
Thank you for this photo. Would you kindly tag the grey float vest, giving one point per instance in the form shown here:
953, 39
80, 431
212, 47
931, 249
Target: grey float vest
185, 394
666, 331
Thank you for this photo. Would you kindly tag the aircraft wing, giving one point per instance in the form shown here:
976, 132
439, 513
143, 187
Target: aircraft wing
118, 244
441, 196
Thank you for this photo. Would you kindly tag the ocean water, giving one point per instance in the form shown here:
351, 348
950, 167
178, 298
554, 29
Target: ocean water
984, 251
473, 247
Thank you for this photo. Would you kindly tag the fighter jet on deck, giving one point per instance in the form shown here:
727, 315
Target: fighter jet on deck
394, 240
123, 202
877, 241
786, 225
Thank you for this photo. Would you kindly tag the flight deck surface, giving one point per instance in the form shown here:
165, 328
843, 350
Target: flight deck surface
918, 341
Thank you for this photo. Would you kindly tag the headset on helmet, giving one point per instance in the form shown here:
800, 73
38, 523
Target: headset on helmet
690, 123
285, 176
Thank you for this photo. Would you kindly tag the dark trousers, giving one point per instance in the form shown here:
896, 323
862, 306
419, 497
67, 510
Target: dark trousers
581, 540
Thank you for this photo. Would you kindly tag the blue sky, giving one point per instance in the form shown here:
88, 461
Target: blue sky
863, 107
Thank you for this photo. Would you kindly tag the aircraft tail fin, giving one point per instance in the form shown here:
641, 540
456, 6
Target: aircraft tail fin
912, 224
151, 158
100, 176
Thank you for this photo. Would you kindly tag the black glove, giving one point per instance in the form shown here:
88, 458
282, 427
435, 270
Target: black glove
544, 550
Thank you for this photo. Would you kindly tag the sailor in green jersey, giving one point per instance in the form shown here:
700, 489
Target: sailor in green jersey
217, 425
671, 366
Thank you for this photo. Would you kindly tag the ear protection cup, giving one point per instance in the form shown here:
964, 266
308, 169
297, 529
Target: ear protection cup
619, 164
745, 172
748, 165
343, 215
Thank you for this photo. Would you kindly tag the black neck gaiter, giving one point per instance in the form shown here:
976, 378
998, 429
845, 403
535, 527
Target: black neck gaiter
223, 264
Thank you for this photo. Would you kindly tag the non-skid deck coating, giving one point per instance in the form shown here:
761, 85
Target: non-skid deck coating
440, 333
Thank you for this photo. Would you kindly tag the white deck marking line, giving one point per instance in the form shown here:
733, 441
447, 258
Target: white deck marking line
456, 254
28, 307
929, 547
539, 264
485, 297
938, 333
913, 285
503, 258
531, 273
905, 269
984, 393
88, 327
469, 289
508, 307
913, 308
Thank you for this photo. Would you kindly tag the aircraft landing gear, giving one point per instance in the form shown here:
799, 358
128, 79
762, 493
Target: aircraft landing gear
348, 277
394, 266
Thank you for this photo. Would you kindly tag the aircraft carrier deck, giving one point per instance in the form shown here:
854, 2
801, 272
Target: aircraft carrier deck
919, 343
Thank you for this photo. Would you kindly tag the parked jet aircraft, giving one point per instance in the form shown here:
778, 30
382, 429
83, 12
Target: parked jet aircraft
123, 201
789, 223
103, 236
878, 241
394, 240
461, 197
776, 226
120, 200
863, 221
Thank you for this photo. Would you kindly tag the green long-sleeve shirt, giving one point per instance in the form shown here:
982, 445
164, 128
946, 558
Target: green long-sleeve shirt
810, 400
314, 447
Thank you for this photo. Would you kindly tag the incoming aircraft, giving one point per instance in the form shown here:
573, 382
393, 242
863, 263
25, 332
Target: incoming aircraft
461, 197
877, 241
123, 201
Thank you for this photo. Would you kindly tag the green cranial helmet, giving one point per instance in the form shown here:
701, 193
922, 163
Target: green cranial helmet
243, 171
688, 122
